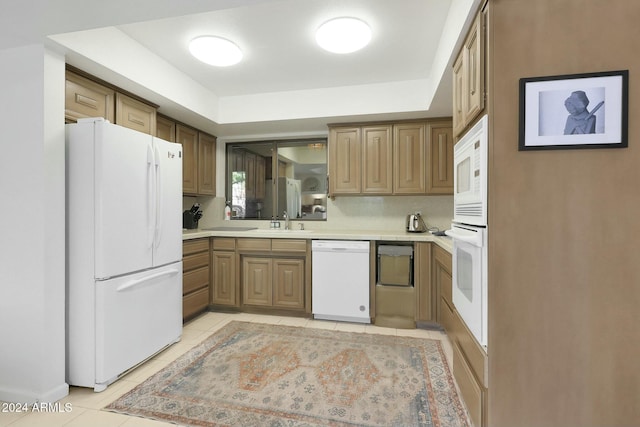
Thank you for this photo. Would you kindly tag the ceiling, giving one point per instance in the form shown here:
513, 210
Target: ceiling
285, 84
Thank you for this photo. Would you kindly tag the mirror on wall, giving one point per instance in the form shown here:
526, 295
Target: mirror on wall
267, 178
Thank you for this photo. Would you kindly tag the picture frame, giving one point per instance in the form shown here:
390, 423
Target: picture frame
570, 111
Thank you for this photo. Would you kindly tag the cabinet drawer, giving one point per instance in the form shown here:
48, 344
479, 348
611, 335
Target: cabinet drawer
472, 351
254, 244
443, 257
195, 303
191, 262
194, 246
445, 286
469, 388
446, 318
195, 279
288, 245
224, 244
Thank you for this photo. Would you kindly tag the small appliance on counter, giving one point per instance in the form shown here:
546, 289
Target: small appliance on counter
191, 217
415, 223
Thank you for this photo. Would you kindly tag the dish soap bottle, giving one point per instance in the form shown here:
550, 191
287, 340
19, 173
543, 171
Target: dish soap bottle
227, 211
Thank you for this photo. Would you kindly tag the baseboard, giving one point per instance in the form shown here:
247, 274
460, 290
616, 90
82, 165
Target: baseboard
28, 396
421, 324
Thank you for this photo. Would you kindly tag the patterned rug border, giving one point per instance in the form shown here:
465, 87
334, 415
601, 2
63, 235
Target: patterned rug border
201, 350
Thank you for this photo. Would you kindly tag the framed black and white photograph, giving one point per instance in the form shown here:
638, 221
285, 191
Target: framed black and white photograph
574, 111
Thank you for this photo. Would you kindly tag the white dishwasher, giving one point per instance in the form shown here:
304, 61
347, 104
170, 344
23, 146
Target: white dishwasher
340, 280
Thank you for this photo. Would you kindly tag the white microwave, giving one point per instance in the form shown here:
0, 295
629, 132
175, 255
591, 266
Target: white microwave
470, 176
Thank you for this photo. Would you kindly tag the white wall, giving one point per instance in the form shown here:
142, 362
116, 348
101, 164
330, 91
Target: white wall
32, 226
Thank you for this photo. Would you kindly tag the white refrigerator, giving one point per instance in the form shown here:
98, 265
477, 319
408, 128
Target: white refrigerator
124, 249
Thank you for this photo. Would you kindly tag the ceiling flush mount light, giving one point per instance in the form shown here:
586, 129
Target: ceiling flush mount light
215, 51
343, 35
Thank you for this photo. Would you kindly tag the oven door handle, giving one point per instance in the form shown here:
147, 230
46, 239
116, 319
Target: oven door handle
471, 237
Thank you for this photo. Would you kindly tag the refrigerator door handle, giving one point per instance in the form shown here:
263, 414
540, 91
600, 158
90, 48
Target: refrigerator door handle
150, 197
158, 194
126, 286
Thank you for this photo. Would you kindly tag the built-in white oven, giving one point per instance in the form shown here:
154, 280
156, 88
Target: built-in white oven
469, 229
470, 176
469, 276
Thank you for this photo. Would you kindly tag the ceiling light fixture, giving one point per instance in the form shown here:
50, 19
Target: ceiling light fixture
215, 51
343, 35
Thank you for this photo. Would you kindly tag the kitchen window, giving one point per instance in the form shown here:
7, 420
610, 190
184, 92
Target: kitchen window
267, 178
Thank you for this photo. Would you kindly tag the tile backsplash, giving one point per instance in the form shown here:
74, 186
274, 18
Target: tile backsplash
362, 212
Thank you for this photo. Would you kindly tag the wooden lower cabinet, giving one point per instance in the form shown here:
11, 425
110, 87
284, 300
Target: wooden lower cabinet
224, 277
441, 279
472, 392
195, 278
425, 307
470, 361
257, 281
273, 282
274, 273
288, 286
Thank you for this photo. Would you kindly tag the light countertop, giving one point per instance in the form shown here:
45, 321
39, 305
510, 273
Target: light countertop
394, 235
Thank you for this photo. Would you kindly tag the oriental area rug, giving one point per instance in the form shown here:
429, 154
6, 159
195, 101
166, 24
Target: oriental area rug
249, 374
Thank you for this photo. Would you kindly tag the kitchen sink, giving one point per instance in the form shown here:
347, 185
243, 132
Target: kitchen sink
230, 228
281, 230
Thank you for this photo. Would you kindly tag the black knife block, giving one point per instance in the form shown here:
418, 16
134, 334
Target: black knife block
188, 220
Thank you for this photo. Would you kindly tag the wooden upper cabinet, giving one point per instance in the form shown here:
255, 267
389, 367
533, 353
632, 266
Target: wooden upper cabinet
86, 98
458, 109
409, 158
474, 53
440, 153
198, 156
345, 176
206, 164
165, 128
188, 137
468, 77
377, 160
134, 114
402, 158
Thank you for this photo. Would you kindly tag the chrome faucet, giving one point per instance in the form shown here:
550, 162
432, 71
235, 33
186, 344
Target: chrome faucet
286, 220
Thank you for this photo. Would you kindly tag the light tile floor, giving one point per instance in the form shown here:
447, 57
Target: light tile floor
85, 404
